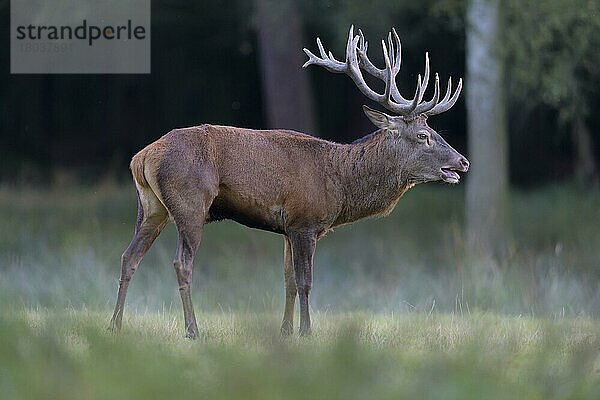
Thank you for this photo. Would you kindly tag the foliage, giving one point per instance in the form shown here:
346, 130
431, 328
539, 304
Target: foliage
205, 68
550, 49
552, 53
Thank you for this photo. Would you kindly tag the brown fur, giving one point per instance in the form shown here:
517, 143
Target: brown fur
280, 181
137, 169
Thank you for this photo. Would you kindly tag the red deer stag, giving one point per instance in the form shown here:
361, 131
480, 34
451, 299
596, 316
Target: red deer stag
288, 182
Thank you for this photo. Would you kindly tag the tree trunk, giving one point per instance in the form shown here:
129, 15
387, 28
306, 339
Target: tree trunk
286, 90
586, 170
487, 185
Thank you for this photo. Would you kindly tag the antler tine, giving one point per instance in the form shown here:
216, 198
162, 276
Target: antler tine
398, 47
321, 49
418, 96
446, 104
426, 76
407, 106
448, 91
352, 67
365, 63
398, 59
395, 54
349, 67
329, 64
389, 76
312, 59
350, 47
391, 53
356, 60
362, 43
428, 105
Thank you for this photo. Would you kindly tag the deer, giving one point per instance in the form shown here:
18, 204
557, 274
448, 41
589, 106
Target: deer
287, 182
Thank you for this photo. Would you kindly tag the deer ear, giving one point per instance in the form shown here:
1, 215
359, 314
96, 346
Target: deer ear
379, 119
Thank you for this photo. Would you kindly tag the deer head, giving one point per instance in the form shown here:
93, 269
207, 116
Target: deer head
425, 155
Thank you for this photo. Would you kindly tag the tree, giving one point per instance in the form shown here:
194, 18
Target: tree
286, 89
487, 183
552, 56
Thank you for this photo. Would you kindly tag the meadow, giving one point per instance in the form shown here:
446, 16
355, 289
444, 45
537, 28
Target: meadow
400, 310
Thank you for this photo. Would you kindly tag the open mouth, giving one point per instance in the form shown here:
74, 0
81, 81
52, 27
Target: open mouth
450, 175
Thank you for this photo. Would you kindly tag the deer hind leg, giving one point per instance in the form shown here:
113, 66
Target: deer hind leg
188, 240
151, 219
189, 208
287, 326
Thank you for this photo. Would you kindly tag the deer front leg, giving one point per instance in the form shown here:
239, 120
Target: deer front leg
303, 250
287, 326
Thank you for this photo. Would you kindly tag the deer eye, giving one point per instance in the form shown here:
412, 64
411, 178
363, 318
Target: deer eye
422, 136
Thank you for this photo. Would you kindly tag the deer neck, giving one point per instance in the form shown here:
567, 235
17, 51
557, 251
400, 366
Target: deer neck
373, 175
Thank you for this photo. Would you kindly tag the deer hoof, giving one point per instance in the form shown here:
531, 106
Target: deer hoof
191, 335
113, 327
306, 332
287, 328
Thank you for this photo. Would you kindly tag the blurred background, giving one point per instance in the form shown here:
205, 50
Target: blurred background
521, 234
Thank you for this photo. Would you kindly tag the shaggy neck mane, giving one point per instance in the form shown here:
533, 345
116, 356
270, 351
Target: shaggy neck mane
373, 176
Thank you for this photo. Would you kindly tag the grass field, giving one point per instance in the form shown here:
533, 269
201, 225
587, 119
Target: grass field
69, 355
400, 310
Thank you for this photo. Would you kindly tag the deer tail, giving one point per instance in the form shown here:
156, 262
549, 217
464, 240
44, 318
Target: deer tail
137, 169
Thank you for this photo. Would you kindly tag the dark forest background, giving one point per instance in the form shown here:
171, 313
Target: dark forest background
211, 64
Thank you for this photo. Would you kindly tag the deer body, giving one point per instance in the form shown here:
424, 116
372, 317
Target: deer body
286, 182
278, 180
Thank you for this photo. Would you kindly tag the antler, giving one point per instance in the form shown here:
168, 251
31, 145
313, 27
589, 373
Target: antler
357, 59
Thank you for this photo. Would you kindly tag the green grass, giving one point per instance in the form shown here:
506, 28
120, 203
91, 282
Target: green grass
61, 248
69, 355
399, 310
